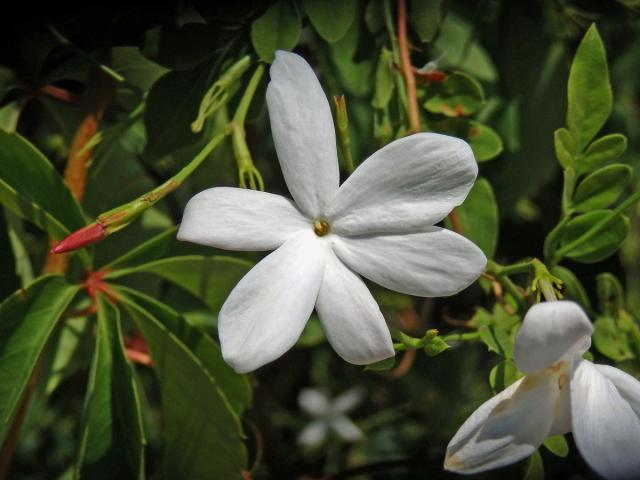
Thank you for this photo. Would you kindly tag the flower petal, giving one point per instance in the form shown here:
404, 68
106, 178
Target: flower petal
268, 309
506, 428
303, 133
433, 263
605, 427
350, 317
313, 402
411, 183
314, 434
628, 387
347, 401
551, 330
239, 219
346, 429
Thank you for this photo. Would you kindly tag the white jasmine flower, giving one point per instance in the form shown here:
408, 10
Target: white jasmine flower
329, 415
377, 224
561, 393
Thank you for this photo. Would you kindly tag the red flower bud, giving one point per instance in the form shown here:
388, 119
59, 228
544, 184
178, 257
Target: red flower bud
80, 238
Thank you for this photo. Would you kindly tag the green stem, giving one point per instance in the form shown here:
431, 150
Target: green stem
248, 174
520, 267
395, 49
597, 228
243, 107
568, 188
461, 337
119, 217
67, 43
551, 240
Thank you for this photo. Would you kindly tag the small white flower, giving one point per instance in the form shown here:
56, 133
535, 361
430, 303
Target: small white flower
561, 393
329, 415
377, 224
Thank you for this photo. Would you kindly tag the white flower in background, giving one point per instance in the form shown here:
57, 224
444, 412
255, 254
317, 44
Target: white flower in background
377, 224
329, 415
561, 393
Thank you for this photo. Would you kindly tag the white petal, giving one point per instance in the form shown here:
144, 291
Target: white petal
313, 402
303, 133
350, 317
314, 434
549, 331
348, 400
605, 427
628, 387
433, 263
346, 429
411, 183
239, 219
268, 309
506, 428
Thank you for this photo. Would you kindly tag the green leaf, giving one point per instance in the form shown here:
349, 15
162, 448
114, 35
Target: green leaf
27, 320
112, 437
485, 142
202, 432
210, 279
312, 334
435, 346
331, 18
32, 188
425, 17
602, 151
602, 187
557, 445
565, 146
457, 40
572, 287
354, 74
235, 387
185, 46
137, 69
155, 248
497, 340
384, 80
277, 29
535, 467
610, 341
589, 90
8, 81
600, 246
478, 217
73, 349
610, 293
171, 105
382, 365
503, 375
457, 95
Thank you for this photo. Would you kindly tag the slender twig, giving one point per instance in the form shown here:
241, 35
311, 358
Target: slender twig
407, 69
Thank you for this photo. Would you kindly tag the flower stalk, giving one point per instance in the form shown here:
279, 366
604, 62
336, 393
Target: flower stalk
342, 124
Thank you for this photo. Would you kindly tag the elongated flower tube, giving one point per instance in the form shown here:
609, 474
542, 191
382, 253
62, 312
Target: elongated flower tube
378, 224
561, 393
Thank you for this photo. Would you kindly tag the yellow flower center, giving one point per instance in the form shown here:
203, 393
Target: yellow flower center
320, 227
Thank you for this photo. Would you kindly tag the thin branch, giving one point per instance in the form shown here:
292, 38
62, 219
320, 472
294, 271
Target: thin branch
407, 69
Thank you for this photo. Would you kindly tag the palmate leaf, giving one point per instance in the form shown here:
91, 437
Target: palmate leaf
201, 396
27, 320
33, 189
210, 279
112, 442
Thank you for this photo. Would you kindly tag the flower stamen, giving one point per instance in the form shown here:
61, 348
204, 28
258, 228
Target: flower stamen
321, 227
